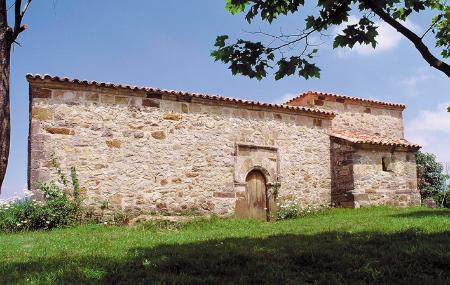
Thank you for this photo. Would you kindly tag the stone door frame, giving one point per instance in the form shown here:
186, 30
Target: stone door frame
266, 160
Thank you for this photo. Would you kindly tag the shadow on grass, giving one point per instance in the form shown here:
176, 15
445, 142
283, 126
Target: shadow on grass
424, 214
329, 258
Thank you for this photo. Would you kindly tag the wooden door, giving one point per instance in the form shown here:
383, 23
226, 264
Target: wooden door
256, 195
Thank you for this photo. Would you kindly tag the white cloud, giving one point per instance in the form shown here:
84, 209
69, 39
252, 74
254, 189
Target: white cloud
283, 99
431, 129
388, 38
412, 82
413, 86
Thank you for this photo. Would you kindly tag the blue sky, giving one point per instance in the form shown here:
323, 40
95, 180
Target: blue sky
166, 44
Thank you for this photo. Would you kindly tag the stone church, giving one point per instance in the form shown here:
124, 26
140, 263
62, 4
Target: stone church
148, 150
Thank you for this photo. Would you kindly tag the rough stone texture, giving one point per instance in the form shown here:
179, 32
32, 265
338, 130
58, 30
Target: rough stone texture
342, 180
173, 157
149, 152
61, 131
358, 178
362, 117
373, 186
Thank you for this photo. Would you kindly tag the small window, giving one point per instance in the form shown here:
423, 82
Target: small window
367, 110
386, 164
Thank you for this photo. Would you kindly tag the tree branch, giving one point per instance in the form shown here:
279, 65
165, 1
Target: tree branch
25, 8
19, 13
305, 33
431, 26
17, 18
415, 39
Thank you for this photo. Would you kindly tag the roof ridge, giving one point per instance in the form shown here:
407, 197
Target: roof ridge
301, 95
30, 76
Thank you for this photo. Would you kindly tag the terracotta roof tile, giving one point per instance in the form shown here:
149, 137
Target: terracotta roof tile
373, 139
355, 99
177, 93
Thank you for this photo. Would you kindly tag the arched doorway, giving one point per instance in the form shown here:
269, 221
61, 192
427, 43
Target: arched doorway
256, 195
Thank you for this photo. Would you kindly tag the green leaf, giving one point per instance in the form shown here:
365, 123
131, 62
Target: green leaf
235, 7
310, 21
220, 41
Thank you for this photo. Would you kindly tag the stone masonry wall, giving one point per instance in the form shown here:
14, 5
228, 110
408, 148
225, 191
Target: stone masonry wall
342, 180
359, 117
173, 154
396, 187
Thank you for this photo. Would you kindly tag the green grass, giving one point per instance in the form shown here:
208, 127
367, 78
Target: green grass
357, 246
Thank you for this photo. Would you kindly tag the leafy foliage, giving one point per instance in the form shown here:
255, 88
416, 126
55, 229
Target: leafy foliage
293, 54
293, 209
58, 208
431, 178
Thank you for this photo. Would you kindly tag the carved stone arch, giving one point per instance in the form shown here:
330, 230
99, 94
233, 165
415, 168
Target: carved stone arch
269, 179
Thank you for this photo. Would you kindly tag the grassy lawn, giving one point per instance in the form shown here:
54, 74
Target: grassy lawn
357, 246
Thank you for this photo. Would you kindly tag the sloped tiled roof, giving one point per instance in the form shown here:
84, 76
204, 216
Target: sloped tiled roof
373, 139
46, 77
354, 99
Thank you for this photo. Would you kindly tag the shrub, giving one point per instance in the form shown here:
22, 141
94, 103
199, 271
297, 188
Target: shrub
289, 210
293, 209
431, 178
443, 198
58, 208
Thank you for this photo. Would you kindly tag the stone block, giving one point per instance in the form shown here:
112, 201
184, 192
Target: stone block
138, 135
43, 114
92, 97
196, 108
135, 102
115, 200
121, 100
184, 108
61, 131
192, 174
360, 197
108, 99
224, 195
172, 116
115, 143
37, 92
159, 135
176, 180
58, 95
136, 126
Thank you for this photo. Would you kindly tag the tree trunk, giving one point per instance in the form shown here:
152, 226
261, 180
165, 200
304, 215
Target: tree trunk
5, 130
